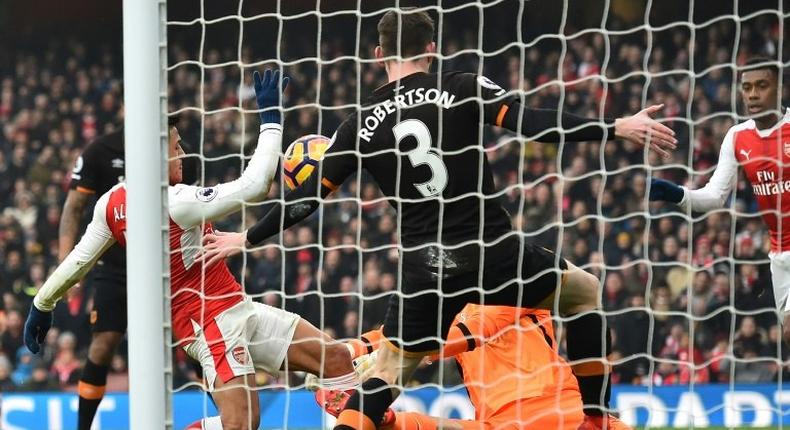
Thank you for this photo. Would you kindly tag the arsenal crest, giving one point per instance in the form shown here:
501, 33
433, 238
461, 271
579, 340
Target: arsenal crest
240, 355
787, 149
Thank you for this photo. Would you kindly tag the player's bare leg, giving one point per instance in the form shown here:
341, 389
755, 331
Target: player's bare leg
314, 351
589, 340
237, 401
94, 376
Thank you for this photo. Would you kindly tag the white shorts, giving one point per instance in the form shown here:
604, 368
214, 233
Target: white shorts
780, 277
246, 337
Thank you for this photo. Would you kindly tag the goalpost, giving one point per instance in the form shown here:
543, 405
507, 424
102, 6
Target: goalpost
625, 63
145, 99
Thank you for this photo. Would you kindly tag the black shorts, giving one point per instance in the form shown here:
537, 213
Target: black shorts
109, 300
513, 274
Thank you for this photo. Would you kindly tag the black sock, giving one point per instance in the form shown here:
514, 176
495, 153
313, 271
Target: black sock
372, 400
584, 342
91, 391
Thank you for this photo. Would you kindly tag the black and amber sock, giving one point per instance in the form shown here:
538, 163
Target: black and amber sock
585, 343
366, 407
91, 390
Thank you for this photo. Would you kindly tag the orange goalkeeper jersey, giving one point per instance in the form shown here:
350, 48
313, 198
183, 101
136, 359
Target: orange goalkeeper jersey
515, 362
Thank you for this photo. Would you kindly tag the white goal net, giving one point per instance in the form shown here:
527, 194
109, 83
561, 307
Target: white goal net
688, 296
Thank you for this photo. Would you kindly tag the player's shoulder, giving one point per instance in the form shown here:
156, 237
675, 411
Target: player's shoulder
741, 132
743, 126
112, 141
117, 192
468, 82
178, 190
457, 75
191, 193
114, 196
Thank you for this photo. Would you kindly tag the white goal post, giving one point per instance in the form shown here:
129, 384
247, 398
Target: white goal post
145, 98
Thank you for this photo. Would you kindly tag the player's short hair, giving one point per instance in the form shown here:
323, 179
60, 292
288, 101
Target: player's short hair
760, 63
172, 120
414, 26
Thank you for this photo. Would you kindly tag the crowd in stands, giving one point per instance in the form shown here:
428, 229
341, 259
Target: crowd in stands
672, 285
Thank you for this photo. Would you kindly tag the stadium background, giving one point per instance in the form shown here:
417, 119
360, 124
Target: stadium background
61, 85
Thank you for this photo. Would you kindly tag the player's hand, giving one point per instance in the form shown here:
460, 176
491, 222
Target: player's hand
37, 325
220, 245
644, 130
267, 94
665, 191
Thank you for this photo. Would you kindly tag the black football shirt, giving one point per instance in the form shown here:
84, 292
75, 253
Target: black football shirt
99, 168
420, 139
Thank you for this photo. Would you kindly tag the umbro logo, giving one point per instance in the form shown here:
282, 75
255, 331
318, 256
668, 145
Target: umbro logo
117, 163
745, 153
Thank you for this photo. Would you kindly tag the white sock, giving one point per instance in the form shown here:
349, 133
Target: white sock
343, 382
211, 423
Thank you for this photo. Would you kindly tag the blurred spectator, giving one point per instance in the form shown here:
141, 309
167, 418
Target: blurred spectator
7, 385
66, 365
118, 376
750, 338
587, 200
40, 380
11, 339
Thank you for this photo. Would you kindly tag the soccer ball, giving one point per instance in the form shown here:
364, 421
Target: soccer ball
302, 157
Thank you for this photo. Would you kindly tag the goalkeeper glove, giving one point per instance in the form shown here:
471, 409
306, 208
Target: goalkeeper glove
268, 94
36, 327
662, 190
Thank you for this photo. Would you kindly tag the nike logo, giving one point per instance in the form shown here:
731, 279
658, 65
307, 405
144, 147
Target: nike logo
745, 153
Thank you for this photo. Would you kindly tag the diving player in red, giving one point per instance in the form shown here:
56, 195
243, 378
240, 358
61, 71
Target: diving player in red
761, 146
213, 320
511, 368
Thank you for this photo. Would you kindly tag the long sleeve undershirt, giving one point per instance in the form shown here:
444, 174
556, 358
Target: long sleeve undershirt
715, 193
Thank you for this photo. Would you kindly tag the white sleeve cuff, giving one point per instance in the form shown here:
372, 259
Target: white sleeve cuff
271, 126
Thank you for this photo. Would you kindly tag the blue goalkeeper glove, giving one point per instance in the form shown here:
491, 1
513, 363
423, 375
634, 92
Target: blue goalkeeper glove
267, 93
662, 190
36, 328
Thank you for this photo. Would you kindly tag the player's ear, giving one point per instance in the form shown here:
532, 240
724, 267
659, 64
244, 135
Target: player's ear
431, 48
378, 53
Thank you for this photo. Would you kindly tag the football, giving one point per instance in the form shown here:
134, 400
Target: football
302, 157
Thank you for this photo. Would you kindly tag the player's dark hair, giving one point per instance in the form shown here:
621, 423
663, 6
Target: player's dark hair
415, 29
172, 120
760, 63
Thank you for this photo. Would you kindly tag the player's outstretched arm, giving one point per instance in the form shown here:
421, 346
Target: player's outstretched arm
298, 205
542, 124
190, 205
96, 240
713, 195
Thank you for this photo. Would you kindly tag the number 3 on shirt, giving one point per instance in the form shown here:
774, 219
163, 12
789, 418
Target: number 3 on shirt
423, 154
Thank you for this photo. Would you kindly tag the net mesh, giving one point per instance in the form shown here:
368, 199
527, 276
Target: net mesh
687, 296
